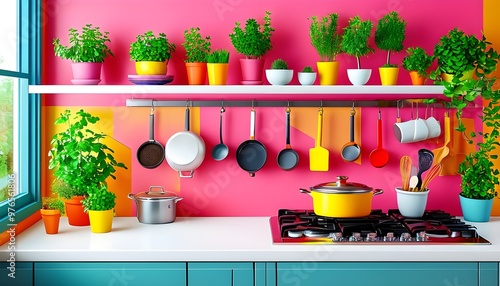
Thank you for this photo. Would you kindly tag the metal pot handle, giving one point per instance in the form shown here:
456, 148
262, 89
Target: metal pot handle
156, 187
189, 174
304, 191
132, 197
378, 192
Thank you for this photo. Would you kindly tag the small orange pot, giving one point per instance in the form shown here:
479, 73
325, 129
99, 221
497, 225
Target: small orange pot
196, 73
416, 79
51, 220
75, 212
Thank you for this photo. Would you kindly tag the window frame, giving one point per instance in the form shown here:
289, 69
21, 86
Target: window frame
29, 114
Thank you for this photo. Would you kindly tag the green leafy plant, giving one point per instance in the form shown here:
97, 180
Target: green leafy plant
279, 64
456, 52
87, 46
218, 57
197, 47
390, 34
52, 203
99, 199
149, 47
418, 60
355, 38
78, 157
66, 191
254, 40
307, 69
324, 36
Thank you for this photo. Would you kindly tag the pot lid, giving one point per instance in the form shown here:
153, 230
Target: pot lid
341, 186
156, 195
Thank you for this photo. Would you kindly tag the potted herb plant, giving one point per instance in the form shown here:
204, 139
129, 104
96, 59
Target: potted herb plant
197, 51
100, 203
417, 62
79, 158
307, 76
87, 50
51, 211
151, 53
279, 74
355, 43
389, 36
218, 66
253, 41
326, 40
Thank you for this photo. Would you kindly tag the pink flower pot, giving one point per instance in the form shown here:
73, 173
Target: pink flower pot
86, 73
252, 70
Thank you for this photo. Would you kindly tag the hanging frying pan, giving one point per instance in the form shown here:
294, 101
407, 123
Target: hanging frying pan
350, 151
185, 150
151, 153
251, 155
288, 158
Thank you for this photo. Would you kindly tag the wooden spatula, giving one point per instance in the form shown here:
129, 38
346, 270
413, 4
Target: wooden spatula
319, 156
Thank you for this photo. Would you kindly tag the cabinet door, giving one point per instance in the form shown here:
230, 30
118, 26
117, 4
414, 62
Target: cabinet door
18, 274
109, 273
489, 273
373, 273
220, 274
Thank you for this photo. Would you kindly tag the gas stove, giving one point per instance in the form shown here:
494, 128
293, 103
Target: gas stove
434, 227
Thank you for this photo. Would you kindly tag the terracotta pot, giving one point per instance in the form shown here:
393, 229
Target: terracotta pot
328, 72
416, 79
217, 73
196, 73
51, 220
75, 213
252, 71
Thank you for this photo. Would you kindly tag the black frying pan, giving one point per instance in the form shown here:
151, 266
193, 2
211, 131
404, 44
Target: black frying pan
287, 158
151, 153
251, 155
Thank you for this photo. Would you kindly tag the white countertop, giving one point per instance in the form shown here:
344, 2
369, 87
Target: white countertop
223, 239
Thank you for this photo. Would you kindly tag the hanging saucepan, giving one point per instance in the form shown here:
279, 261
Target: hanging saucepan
342, 199
151, 153
251, 155
351, 151
185, 150
288, 158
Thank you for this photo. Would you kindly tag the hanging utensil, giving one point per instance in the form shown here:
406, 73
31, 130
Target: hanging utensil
379, 157
151, 153
288, 158
405, 169
441, 152
425, 159
433, 172
413, 178
220, 150
251, 155
351, 151
319, 156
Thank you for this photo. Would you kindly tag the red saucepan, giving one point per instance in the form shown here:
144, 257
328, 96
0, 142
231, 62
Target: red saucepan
151, 153
251, 155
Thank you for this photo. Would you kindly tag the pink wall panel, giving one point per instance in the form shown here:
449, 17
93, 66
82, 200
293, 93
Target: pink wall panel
222, 188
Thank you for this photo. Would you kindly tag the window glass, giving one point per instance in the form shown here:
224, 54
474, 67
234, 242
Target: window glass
8, 97
8, 35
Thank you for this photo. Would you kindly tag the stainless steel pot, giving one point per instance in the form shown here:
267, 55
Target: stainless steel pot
155, 207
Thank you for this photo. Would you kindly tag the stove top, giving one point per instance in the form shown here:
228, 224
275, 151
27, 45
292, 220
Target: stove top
434, 227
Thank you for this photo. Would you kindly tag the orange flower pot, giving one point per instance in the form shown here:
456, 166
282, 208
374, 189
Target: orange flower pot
416, 79
196, 73
51, 220
75, 213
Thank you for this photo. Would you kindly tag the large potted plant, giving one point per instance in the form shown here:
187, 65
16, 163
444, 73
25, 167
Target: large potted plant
253, 41
100, 203
389, 36
51, 211
279, 73
87, 50
355, 43
417, 62
197, 51
326, 40
151, 53
80, 160
218, 67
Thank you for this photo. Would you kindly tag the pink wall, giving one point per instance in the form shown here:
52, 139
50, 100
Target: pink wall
221, 188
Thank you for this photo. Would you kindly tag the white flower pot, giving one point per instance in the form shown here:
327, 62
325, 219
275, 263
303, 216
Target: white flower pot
307, 78
279, 77
359, 76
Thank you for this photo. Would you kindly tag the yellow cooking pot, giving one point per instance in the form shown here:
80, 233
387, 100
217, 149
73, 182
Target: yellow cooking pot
342, 199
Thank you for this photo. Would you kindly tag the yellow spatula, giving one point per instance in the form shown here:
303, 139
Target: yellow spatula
319, 156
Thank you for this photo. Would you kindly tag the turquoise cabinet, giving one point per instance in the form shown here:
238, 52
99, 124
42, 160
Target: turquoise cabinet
109, 273
221, 273
309, 273
18, 274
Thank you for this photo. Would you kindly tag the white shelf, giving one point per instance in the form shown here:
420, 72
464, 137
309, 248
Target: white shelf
236, 89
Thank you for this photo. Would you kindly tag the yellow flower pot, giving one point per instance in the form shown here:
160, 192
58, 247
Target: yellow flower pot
449, 77
217, 73
151, 68
389, 75
328, 72
101, 221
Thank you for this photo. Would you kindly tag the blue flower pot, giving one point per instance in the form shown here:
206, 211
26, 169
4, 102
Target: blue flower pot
476, 210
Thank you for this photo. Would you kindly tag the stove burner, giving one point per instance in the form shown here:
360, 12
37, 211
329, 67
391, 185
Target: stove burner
435, 226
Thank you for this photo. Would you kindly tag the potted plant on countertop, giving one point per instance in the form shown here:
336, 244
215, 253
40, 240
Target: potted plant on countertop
218, 66
100, 203
51, 211
389, 36
355, 43
307, 76
197, 51
417, 62
326, 40
279, 74
254, 41
151, 53
80, 160
87, 50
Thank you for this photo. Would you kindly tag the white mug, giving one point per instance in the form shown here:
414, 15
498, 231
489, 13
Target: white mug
433, 126
404, 131
421, 132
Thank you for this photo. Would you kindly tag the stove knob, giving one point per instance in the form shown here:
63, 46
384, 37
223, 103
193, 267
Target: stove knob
390, 237
422, 236
405, 237
337, 237
371, 237
356, 237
